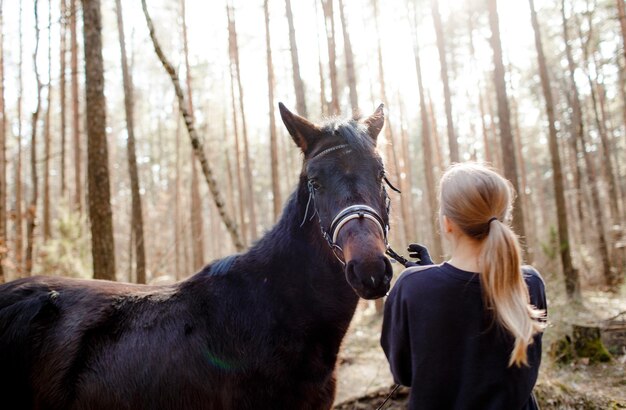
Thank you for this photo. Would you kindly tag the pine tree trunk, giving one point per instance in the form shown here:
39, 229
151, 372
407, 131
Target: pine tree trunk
31, 212
129, 108
47, 149
78, 189
481, 103
523, 182
429, 192
100, 213
574, 128
240, 179
443, 64
62, 84
621, 14
229, 167
295, 62
329, 24
276, 197
577, 118
350, 71
572, 283
504, 119
19, 216
177, 229
410, 225
3, 156
193, 136
320, 67
234, 49
493, 132
610, 149
197, 222
435, 135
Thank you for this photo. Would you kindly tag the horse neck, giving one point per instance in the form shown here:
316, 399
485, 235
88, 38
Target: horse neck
297, 252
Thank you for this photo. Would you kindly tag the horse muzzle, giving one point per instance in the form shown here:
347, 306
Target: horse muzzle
371, 277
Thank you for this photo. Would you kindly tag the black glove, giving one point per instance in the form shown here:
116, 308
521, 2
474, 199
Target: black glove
419, 252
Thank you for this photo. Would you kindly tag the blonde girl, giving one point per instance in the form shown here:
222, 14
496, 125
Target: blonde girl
466, 334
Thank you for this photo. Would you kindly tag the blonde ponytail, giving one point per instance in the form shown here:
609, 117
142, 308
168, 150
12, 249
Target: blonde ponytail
505, 291
479, 200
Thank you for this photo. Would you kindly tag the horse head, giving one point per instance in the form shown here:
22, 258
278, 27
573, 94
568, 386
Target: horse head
343, 182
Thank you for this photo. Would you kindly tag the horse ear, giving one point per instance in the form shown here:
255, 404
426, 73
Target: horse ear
303, 132
375, 122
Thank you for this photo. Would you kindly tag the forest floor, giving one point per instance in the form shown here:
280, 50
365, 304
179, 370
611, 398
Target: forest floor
364, 381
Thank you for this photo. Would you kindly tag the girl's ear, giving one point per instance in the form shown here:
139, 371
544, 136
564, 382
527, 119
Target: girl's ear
446, 224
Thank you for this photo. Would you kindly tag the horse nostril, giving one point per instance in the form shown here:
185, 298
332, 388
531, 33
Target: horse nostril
388, 271
350, 274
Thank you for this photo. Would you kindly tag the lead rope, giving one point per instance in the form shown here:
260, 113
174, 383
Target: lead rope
389, 251
396, 387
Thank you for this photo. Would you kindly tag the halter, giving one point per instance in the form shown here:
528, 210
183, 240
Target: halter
357, 211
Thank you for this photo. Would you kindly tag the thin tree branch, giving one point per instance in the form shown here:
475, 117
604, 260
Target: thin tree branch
196, 143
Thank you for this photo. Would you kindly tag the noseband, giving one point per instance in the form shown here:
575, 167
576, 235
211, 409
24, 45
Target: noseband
349, 213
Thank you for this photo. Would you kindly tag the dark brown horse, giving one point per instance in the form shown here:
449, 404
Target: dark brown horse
259, 330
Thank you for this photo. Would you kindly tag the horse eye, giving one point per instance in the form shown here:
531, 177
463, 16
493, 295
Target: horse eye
314, 183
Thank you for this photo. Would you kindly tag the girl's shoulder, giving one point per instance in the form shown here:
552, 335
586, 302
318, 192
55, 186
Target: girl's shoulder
415, 281
418, 272
421, 279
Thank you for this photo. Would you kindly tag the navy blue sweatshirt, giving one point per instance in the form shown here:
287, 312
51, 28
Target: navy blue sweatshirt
440, 341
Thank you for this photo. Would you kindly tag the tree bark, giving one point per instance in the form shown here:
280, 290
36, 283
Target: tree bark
19, 216
3, 157
47, 231
295, 62
329, 24
443, 64
100, 213
494, 140
350, 71
621, 13
429, 192
240, 179
31, 213
504, 119
572, 282
481, 103
62, 86
577, 125
197, 222
177, 229
320, 67
129, 108
523, 184
276, 197
78, 188
195, 141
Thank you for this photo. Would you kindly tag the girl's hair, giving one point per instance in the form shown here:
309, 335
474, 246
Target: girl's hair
479, 201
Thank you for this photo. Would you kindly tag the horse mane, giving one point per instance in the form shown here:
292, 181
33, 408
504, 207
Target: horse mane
350, 132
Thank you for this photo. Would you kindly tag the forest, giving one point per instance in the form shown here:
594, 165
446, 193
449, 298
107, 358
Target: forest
139, 141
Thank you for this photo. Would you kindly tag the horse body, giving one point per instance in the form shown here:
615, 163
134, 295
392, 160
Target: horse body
211, 341
262, 333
